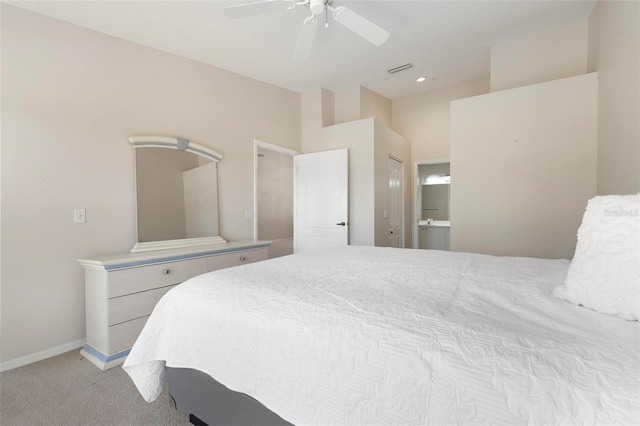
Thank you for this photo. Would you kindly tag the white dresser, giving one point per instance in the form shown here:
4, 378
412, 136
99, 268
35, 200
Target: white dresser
122, 290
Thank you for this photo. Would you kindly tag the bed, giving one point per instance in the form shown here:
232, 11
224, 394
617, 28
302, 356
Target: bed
370, 335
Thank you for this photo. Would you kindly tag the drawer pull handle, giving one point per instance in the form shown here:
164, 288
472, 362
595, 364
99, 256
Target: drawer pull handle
242, 258
166, 271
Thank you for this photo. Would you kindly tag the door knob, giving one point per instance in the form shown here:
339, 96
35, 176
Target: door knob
341, 224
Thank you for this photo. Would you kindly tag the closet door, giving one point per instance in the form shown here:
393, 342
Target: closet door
395, 203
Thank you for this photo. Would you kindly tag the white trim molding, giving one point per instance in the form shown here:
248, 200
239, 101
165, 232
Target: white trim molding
174, 244
42, 355
181, 144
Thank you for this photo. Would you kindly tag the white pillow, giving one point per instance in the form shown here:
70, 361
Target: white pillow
604, 274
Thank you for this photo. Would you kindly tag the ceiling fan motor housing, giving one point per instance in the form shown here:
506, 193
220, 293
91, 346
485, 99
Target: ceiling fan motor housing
317, 6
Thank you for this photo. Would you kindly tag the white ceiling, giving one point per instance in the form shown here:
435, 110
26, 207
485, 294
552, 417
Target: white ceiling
446, 40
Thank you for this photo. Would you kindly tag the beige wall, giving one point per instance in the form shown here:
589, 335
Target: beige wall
523, 165
358, 102
373, 105
275, 195
614, 51
347, 105
70, 99
318, 111
540, 57
423, 119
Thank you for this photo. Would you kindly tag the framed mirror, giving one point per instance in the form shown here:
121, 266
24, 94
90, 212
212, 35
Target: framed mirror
435, 180
176, 193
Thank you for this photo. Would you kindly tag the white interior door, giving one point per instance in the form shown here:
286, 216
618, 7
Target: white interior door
321, 201
395, 204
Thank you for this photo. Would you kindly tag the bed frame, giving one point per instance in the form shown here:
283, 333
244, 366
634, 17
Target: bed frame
208, 402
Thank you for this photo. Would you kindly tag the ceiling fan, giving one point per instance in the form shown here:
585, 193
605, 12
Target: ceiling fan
350, 19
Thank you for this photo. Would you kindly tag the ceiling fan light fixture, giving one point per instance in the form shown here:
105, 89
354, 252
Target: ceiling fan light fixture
316, 6
421, 79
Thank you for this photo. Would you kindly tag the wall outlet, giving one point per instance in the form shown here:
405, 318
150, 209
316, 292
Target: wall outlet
79, 216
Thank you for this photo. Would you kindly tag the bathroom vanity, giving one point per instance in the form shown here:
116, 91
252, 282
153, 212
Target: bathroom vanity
434, 234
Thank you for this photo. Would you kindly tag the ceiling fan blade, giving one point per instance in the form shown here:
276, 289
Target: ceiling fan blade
255, 8
361, 26
305, 39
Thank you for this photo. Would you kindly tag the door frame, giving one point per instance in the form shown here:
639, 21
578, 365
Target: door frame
257, 143
417, 194
402, 199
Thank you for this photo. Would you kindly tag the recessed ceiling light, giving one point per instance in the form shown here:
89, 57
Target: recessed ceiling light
421, 79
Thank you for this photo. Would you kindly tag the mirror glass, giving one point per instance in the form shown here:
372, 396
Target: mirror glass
435, 201
177, 195
435, 180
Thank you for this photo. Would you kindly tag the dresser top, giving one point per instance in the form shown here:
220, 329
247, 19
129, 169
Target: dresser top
128, 260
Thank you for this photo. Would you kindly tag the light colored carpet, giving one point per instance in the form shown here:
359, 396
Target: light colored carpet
69, 390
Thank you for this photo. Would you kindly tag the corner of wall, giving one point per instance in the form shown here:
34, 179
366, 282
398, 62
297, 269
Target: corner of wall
614, 52
327, 99
347, 105
374, 105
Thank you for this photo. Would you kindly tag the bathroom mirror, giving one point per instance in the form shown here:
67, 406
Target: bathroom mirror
435, 201
176, 196
435, 181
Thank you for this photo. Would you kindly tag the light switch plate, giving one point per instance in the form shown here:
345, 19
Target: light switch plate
79, 216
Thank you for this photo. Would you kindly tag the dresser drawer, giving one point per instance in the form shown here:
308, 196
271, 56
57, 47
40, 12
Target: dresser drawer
123, 336
134, 280
228, 260
125, 308
120, 296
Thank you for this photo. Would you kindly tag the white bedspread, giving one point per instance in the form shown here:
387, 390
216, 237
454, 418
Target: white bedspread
365, 335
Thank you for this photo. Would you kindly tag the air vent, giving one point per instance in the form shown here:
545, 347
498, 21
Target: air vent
400, 68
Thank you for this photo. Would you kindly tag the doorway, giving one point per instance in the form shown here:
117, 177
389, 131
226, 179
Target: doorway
431, 196
396, 211
273, 197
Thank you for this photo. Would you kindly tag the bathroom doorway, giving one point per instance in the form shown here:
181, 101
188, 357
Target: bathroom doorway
273, 197
431, 206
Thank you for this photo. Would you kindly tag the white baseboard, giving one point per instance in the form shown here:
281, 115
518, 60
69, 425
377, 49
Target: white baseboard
39, 356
